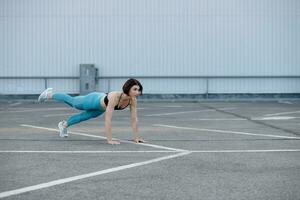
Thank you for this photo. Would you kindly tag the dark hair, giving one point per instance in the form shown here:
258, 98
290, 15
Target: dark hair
130, 83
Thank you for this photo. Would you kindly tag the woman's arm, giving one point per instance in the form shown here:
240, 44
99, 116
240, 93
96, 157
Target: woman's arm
108, 116
134, 121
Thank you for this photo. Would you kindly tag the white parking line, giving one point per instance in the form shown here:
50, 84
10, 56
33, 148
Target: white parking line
282, 113
84, 176
184, 112
284, 102
56, 130
247, 151
34, 110
143, 108
174, 106
97, 136
220, 119
15, 104
224, 131
57, 115
79, 152
275, 118
191, 151
175, 113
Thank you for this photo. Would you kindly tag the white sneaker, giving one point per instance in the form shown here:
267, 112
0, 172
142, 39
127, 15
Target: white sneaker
44, 95
63, 132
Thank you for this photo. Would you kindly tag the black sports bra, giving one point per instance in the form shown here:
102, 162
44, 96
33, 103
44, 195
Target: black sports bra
116, 107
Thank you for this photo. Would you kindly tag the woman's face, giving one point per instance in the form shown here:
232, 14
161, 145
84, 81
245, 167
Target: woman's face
134, 91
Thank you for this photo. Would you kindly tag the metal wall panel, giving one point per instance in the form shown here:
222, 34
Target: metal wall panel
253, 85
157, 37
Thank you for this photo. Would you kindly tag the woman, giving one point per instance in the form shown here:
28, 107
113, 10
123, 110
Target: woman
96, 103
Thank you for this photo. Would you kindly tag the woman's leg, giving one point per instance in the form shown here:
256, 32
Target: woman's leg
76, 102
87, 102
83, 117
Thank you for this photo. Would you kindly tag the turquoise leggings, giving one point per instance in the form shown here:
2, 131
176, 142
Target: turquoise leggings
89, 103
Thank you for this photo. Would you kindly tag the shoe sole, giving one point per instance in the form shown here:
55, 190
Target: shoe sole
44, 93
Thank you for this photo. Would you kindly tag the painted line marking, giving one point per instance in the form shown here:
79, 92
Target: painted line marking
184, 112
84, 176
282, 113
96, 136
34, 110
175, 113
285, 102
62, 114
191, 151
276, 118
172, 106
142, 108
221, 119
246, 151
15, 104
92, 152
224, 131
15, 118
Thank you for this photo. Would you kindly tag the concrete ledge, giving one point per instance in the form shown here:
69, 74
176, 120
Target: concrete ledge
219, 97
182, 97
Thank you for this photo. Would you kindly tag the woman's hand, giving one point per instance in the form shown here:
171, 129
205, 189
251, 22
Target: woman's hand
113, 142
139, 140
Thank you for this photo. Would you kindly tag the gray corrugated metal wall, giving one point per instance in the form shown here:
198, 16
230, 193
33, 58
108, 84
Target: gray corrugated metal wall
152, 37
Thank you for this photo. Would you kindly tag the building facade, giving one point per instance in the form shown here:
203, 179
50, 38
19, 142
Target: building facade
178, 46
